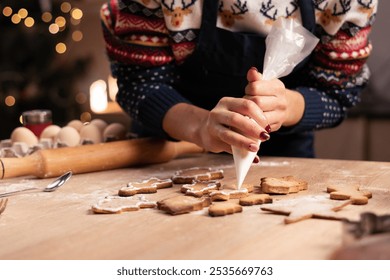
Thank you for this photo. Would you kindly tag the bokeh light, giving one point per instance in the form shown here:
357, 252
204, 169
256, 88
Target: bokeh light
15, 18
10, 101
77, 36
53, 28
7, 11
60, 21
60, 48
23, 13
29, 22
46, 17
66, 7
77, 13
85, 117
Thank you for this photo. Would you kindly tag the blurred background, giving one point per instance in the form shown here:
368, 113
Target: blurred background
52, 57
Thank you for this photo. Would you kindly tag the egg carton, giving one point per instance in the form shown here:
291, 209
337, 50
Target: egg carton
23, 142
20, 149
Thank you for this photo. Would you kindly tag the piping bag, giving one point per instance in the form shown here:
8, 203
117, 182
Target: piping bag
287, 44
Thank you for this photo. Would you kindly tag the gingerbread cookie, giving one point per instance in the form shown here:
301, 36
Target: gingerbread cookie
146, 186
188, 176
306, 207
224, 208
231, 192
200, 188
118, 204
352, 192
282, 185
255, 199
182, 204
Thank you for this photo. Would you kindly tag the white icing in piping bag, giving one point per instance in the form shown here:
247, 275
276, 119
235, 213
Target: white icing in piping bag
243, 160
287, 44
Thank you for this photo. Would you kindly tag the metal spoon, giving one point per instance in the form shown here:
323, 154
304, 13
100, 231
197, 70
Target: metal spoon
58, 182
49, 188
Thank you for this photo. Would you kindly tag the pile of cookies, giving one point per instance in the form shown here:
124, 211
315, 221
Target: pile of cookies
203, 187
24, 142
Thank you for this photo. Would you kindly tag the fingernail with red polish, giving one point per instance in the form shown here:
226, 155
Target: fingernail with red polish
256, 159
264, 136
268, 128
253, 147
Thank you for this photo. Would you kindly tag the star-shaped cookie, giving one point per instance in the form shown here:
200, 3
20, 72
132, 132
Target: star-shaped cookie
306, 207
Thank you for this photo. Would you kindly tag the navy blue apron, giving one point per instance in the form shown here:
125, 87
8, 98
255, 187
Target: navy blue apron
219, 65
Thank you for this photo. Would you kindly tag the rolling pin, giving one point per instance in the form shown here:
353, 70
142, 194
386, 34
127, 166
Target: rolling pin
95, 157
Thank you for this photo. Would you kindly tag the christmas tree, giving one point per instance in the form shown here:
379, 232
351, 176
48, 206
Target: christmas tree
34, 73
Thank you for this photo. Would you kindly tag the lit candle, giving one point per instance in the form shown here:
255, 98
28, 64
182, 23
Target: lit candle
112, 87
98, 96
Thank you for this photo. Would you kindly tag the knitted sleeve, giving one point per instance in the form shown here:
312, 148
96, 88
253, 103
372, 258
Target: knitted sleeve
142, 61
337, 72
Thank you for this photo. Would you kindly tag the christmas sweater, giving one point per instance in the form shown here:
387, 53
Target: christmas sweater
146, 40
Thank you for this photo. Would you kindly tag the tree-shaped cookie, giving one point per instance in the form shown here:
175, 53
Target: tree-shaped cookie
282, 185
182, 204
146, 186
224, 208
352, 192
118, 204
200, 188
231, 192
189, 175
306, 207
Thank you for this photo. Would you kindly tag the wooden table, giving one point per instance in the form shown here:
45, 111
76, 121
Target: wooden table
60, 225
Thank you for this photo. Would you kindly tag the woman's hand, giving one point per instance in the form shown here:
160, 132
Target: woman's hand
281, 107
233, 121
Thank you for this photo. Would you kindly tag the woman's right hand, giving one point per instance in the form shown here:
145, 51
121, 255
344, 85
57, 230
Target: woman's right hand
232, 122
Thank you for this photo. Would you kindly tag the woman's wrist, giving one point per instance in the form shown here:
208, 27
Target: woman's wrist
184, 121
295, 107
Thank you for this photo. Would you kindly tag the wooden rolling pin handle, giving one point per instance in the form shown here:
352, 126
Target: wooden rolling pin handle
96, 157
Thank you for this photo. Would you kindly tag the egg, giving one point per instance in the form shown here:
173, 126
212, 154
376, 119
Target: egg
90, 133
77, 124
114, 131
101, 124
25, 135
50, 132
68, 136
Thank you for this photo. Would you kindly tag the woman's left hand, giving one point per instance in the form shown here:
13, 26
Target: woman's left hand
282, 107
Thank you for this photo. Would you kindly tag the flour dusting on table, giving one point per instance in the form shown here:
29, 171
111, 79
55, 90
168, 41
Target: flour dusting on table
22, 185
273, 163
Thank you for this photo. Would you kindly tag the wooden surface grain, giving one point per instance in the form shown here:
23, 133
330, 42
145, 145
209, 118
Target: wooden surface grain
60, 225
